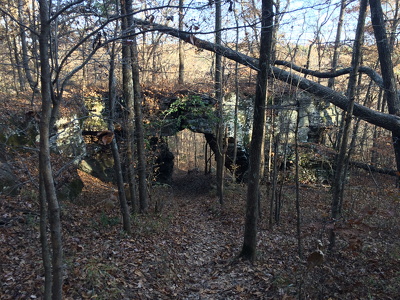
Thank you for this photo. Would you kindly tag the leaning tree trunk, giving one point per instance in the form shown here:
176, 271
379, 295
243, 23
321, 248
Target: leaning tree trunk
250, 233
45, 169
388, 76
340, 172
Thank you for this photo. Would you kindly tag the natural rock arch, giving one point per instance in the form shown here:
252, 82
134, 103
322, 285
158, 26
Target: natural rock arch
196, 113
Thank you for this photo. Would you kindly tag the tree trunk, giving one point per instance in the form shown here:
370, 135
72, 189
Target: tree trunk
250, 233
340, 172
235, 121
25, 57
335, 58
388, 76
128, 90
296, 176
181, 71
46, 257
133, 66
274, 180
219, 154
18, 66
44, 155
139, 130
126, 219
14, 58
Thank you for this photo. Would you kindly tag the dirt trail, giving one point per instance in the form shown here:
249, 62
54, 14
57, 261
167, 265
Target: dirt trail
204, 242
183, 253
186, 252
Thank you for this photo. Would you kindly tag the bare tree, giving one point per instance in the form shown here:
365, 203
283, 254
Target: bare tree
297, 167
45, 169
128, 90
388, 76
220, 155
139, 130
112, 99
340, 171
250, 234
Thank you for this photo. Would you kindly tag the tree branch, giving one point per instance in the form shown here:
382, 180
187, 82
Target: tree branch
362, 69
387, 121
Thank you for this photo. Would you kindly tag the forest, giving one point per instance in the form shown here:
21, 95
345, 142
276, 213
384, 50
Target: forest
208, 149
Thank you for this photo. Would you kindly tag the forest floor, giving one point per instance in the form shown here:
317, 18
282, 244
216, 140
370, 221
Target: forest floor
189, 249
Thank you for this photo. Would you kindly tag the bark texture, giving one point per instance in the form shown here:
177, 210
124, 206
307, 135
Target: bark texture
250, 232
389, 80
126, 220
44, 155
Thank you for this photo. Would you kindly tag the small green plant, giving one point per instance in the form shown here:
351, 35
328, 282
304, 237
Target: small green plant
106, 221
31, 220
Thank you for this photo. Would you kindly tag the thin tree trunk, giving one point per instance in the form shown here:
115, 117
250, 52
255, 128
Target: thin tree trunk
376, 133
154, 70
235, 122
14, 59
274, 181
139, 130
250, 233
393, 27
181, 71
128, 90
112, 98
354, 138
18, 66
137, 102
340, 175
44, 154
297, 160
46, 257
12, 52
335, 58
205, 159
220, 156
140, 144
25, 58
